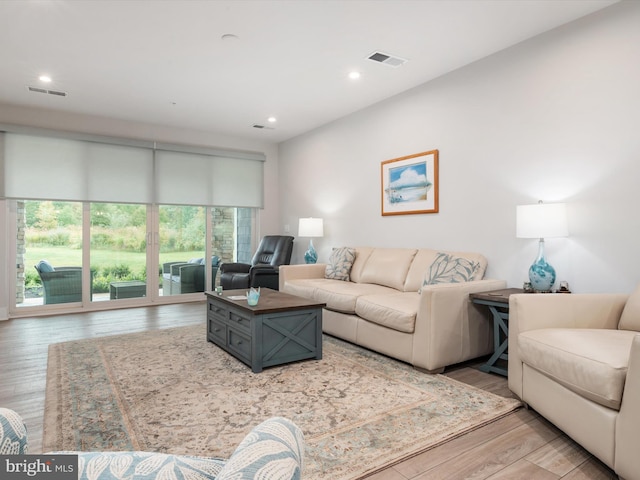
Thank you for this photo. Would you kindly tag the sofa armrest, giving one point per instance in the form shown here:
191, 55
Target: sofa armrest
541, 310
449, 328
627, 461
298, 272
13, 433
265, 276
275, 446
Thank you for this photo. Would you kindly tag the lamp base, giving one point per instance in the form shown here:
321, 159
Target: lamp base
542, 275
311, 256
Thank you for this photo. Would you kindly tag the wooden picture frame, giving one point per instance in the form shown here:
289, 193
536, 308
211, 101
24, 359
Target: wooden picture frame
409, 185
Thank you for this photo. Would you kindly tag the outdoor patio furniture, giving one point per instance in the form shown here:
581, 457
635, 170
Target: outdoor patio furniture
187, 277
60, 284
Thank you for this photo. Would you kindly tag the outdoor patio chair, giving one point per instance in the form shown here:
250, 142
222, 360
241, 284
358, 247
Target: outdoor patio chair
60, 284
187, 277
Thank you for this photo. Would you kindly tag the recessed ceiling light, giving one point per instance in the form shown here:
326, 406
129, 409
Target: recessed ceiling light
354, 75
45, 78
272, 119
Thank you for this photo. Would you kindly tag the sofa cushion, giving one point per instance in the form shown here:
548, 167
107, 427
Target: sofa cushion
340, 263
397, 310
451, 268
362, 255
388, 267
338, 295
630, 318
305, 288
421, 263
590, 362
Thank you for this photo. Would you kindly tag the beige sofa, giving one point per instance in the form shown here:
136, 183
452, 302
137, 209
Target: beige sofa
385, 306
575, 359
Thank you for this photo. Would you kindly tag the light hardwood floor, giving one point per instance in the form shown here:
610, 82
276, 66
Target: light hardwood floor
521, 445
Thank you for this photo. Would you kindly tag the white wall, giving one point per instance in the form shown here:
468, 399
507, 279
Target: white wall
555, 118
270, 222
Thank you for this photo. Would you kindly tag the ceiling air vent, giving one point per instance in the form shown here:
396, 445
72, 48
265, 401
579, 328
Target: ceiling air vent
386, 59
264, 127
44, 90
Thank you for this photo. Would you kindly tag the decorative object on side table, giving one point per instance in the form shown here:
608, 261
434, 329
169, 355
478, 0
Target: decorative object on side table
310, 227
498, 303
564, 287
540, 221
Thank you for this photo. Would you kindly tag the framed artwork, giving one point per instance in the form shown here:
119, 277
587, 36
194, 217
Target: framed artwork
410, 184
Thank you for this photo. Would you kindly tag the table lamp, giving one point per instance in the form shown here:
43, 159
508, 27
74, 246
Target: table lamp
539, 221
310, 227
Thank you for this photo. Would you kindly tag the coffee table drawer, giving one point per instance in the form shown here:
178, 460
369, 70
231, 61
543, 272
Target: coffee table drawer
240, 344
217, 312
240, 322
217, 330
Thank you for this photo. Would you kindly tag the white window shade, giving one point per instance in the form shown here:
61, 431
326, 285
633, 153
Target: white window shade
184, 178
105, 170
60, 169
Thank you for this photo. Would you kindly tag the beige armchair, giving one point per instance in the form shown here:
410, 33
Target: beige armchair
575, 359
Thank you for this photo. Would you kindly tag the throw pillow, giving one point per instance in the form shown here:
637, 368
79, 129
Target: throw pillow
447, 268
45, 266
340, 263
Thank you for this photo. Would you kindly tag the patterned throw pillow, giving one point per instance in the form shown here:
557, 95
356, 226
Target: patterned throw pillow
340, 263
447, 268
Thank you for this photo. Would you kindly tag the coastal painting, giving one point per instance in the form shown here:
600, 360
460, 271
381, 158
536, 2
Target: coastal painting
410, 184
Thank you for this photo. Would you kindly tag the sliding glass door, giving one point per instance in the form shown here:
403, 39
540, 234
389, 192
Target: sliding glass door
49, 244
134, 253
182, 252
118, 251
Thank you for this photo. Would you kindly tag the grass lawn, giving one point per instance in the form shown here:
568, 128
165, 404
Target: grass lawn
65, 257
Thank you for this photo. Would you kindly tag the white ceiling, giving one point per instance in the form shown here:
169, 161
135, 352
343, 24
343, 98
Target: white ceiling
164, 62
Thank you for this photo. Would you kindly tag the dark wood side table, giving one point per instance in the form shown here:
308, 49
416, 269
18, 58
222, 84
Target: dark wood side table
498, 303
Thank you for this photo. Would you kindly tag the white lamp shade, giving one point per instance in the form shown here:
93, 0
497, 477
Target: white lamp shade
542, 220
310, 227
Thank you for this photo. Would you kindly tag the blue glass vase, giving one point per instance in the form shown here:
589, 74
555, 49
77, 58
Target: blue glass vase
541, 275
310, 256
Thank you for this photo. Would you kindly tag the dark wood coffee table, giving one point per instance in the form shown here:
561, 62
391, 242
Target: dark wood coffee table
282, 328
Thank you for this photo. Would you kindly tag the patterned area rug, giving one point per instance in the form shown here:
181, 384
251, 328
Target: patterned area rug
171, 391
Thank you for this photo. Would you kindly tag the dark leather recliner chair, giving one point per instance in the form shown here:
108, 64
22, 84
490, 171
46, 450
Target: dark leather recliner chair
273, 251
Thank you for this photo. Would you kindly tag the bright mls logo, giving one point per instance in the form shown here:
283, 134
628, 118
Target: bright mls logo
39, 467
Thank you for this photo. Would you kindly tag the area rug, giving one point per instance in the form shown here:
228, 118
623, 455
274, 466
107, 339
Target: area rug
171, 391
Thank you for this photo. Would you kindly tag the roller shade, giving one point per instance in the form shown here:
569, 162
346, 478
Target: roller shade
59, 169
192, 179
54, 168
